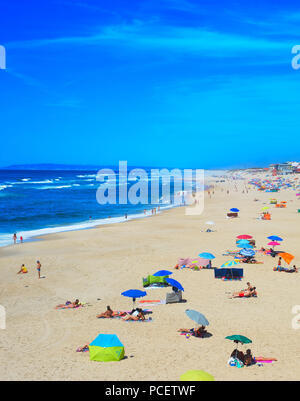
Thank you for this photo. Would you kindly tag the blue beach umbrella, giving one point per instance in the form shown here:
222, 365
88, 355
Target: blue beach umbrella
134, 294
162, 273
247, 252
234, 209
245, 246
206, 255
174, 283
243, 241
275, 238
197, 317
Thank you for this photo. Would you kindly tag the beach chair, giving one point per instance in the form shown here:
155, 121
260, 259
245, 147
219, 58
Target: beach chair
174, 297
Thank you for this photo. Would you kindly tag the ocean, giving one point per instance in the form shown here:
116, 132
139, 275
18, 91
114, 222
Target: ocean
34, 203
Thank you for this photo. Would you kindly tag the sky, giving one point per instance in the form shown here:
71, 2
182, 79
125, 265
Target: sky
181, 83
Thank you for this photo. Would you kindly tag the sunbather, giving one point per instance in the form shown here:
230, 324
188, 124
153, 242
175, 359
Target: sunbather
200, 332
248, 358
107, 314
245, 293
85, 348
238, 355
286, 270
138, 314
70, 304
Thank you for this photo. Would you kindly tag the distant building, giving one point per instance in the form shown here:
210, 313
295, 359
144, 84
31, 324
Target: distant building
283, 168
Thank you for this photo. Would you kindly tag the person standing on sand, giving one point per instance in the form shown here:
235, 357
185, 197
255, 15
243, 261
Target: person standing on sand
15, 238
38, 267
279, 263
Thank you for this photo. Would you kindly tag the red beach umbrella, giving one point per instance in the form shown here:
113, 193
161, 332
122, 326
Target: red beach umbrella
273, 243
245, 236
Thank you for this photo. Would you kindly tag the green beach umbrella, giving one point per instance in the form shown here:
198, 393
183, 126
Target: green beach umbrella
197, 375
237, 338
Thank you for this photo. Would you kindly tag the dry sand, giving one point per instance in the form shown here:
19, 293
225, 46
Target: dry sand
39, 342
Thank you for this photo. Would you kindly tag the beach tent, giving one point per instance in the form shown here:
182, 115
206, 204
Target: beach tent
197, 375
106, 348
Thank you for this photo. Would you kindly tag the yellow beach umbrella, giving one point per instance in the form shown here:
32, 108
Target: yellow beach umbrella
197, 375
265, 208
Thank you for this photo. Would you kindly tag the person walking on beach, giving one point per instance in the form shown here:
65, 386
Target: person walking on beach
15, 238
38, 267
21, 239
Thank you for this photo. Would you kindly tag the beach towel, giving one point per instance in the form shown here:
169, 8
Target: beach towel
140, 321
69, 307
153, 303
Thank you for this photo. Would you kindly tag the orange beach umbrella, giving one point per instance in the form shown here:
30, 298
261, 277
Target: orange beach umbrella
287, 257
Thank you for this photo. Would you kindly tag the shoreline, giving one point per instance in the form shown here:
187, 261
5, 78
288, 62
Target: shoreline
41, 233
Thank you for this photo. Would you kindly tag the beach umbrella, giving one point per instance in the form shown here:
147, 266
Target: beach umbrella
245, 246
162, 273
229, 264
234, 209
197, 317
237, 338
210, 223
265, 208
287, 257
243, 241
275, 238
134, 294
206, 255
273, 243
244, 236
174, 283
247, 252
197, 375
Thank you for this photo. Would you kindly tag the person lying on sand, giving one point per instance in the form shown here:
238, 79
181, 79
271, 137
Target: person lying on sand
138, 314
85, 348
200, 332
23, 270
245, 293
70, 304
107, 314
286, 270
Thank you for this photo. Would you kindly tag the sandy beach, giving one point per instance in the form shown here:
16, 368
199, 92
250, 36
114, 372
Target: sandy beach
96, 265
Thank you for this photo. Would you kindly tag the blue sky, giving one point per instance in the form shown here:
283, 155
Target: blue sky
182, 83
